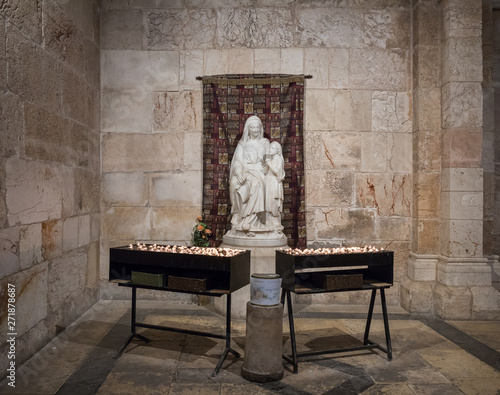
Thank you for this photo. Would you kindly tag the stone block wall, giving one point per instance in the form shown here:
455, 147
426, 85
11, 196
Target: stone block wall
358, 126
491, 91
49, 167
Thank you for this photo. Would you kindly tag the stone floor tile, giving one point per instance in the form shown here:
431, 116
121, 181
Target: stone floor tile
357, 327
245, 388
420, 337
307, 324
321, 379
194, 375
159, 357
390, 389
492, 339
169, 320
435, 389
91, 373
407, 367
238, 343
230, 372
322, 342
138, 383
479, 386
194, 389
204, 341
61, 354
89, 332
201, 357
487, 332
455, 364
477, 326
48, 369
105, 311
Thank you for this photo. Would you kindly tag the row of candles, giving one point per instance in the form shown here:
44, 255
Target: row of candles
330, 251
229, 252
210, 251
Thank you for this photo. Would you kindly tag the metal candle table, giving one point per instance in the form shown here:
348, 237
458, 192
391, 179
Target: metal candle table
176, 272
314, 274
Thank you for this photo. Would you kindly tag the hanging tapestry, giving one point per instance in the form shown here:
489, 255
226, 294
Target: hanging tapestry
228, 101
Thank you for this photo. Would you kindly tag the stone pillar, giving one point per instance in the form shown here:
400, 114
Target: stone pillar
263, 348
463, 275
417, 287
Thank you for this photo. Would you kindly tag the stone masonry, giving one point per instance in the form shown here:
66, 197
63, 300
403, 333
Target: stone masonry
49, 167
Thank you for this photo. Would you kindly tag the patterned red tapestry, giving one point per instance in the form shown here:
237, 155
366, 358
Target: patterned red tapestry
228, 101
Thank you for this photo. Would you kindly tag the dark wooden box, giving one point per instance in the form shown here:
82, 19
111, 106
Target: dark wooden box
188, 284
337, 282
227, 274
150, 279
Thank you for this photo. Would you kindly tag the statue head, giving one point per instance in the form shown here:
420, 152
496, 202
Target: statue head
275, 148
252, 121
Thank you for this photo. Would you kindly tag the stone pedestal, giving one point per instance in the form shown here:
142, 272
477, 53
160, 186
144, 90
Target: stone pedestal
263, 349
260, 239
262, 260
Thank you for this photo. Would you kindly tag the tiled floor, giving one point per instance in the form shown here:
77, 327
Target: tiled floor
430, 356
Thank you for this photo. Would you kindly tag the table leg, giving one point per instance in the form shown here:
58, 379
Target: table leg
369, 318
386, 325
292, 332
133, 322
228, 348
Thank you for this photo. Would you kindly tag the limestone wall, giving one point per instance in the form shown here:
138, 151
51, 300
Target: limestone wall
492, 94
49, 167
358, 126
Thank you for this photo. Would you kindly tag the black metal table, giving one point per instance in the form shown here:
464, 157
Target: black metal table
367, 343
134, 324
220, 275
360, 271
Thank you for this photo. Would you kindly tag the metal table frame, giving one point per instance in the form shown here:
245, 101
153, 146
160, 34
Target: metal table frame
367, 343
134, 324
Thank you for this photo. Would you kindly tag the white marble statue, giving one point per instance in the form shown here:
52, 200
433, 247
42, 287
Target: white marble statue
256, 189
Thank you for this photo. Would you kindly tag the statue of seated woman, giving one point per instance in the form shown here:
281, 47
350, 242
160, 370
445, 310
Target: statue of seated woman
247, 188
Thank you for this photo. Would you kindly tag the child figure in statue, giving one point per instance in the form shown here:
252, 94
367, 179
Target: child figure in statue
274, 186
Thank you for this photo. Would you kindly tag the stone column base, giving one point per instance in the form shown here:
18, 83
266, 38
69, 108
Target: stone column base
452, 302
464, 289
485, 303
416, 294
451, 288
417, 297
